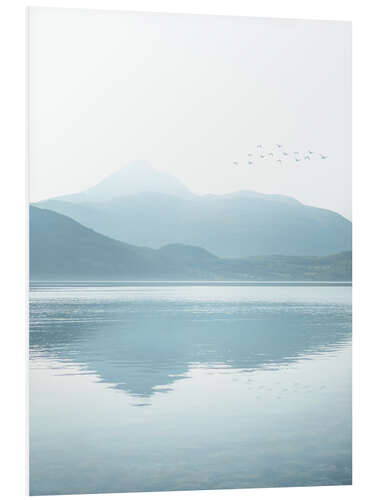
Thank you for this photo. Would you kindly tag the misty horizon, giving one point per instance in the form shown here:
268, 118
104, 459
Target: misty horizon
192, 94
148, 164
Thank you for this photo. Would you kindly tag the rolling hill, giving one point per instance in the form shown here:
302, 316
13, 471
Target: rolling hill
63, 249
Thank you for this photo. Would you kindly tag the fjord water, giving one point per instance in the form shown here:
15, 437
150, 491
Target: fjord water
157, 386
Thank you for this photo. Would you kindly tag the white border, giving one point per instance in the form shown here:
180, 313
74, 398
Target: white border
13, 268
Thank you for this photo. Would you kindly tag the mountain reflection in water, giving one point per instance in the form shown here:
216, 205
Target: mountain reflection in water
143, 339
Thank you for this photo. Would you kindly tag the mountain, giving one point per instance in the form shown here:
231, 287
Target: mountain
235, 225
137, 177
63, 249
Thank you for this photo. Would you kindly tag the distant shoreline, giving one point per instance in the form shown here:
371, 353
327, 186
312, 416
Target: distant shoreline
129, 283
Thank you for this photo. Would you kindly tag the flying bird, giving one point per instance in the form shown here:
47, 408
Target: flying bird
279, 155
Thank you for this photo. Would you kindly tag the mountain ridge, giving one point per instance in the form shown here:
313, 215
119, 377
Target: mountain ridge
228, 227
63, 249
152, 208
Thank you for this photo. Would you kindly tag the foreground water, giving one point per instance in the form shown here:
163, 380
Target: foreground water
147, 387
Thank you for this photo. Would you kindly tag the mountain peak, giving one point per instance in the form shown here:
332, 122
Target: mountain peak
136, 177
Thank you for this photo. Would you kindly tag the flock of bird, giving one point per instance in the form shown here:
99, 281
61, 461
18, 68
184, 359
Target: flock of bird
280, 156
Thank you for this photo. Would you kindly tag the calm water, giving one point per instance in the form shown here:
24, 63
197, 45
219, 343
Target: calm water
143, 388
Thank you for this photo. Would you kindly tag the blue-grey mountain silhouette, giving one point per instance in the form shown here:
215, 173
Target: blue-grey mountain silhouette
137, 177
63, 249
156, 209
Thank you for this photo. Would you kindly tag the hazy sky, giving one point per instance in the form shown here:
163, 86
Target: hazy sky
191, 94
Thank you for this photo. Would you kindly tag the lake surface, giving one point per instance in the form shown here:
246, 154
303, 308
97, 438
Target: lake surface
148, 387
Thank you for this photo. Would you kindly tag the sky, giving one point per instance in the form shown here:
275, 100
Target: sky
190, 94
